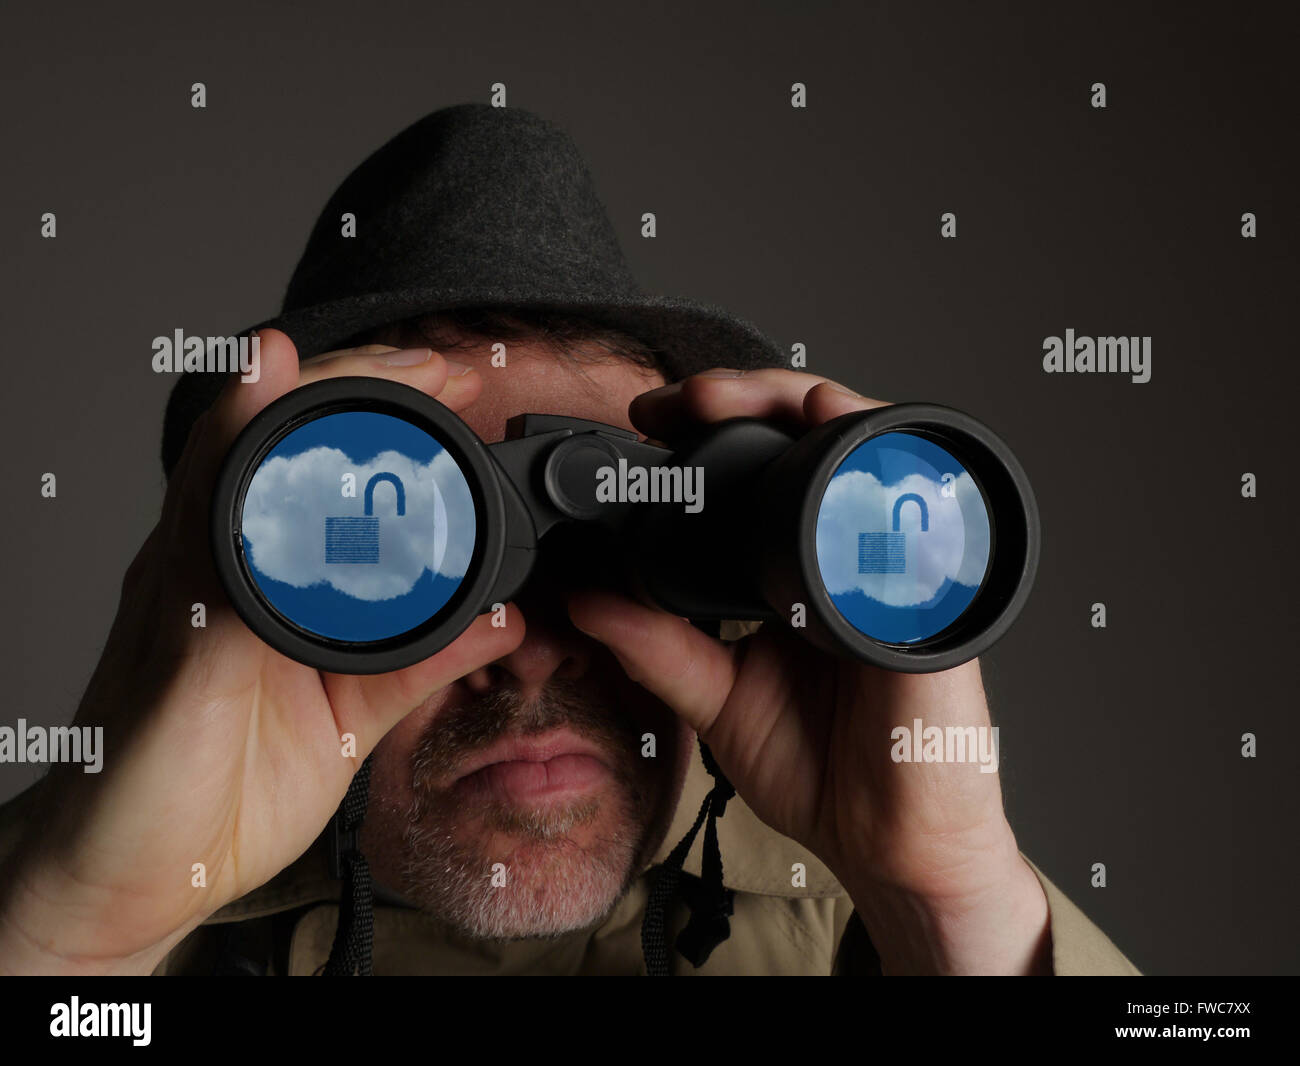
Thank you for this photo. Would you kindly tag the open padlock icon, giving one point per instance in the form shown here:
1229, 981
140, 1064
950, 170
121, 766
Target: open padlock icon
886, 552
355, 539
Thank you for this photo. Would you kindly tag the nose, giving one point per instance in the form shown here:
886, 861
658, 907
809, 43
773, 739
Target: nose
546, 654
551, 650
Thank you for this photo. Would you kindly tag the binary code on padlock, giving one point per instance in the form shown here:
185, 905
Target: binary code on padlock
355, 539
886, 552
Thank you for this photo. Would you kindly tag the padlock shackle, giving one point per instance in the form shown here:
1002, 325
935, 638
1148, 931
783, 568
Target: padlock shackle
392, 479
898, 511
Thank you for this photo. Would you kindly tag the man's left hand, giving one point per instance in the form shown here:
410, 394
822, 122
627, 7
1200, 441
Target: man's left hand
923, 849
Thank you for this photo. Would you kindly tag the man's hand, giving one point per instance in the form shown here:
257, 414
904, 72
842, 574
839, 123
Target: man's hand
924, 850
219, 750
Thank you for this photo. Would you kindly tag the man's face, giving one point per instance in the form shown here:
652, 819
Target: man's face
533, 762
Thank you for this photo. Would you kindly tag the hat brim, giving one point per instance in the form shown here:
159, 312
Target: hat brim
685, 336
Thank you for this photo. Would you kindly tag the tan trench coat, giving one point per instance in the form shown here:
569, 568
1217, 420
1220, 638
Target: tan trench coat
288, 924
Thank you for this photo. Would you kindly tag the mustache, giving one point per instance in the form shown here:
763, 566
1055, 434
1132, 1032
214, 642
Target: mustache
461, 730
444, 863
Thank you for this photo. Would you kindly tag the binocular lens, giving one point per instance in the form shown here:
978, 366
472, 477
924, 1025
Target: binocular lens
358, 526
903, 538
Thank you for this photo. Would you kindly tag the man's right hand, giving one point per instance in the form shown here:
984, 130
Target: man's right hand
218, 750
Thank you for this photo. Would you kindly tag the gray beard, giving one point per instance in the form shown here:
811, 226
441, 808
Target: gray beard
557, 886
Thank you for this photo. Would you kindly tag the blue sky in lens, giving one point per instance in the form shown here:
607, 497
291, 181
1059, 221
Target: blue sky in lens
422, 554
945, 563
361, 435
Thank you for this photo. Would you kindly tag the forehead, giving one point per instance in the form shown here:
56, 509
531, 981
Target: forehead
537, 379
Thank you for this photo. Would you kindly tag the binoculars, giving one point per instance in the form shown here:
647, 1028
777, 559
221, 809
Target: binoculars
359, 526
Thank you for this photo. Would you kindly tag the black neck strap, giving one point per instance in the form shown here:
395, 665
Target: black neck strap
711, 907
355, 935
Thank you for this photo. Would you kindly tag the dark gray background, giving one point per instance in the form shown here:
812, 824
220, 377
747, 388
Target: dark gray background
821, 225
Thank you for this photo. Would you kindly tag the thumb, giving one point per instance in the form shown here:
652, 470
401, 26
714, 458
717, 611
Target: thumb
369, 705
690, 671
240, 401
276, 373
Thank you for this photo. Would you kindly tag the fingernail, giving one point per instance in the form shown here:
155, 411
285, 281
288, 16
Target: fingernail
455, 370
722, 372
844, 389
406, 357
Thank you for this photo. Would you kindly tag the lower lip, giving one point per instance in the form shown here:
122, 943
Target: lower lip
530, 782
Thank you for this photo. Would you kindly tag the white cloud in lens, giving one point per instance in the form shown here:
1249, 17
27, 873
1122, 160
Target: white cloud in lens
955, 546
288, 501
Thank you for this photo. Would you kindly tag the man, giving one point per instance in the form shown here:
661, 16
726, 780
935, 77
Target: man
516, 820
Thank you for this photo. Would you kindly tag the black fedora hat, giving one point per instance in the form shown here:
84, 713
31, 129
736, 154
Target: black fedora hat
476, 206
